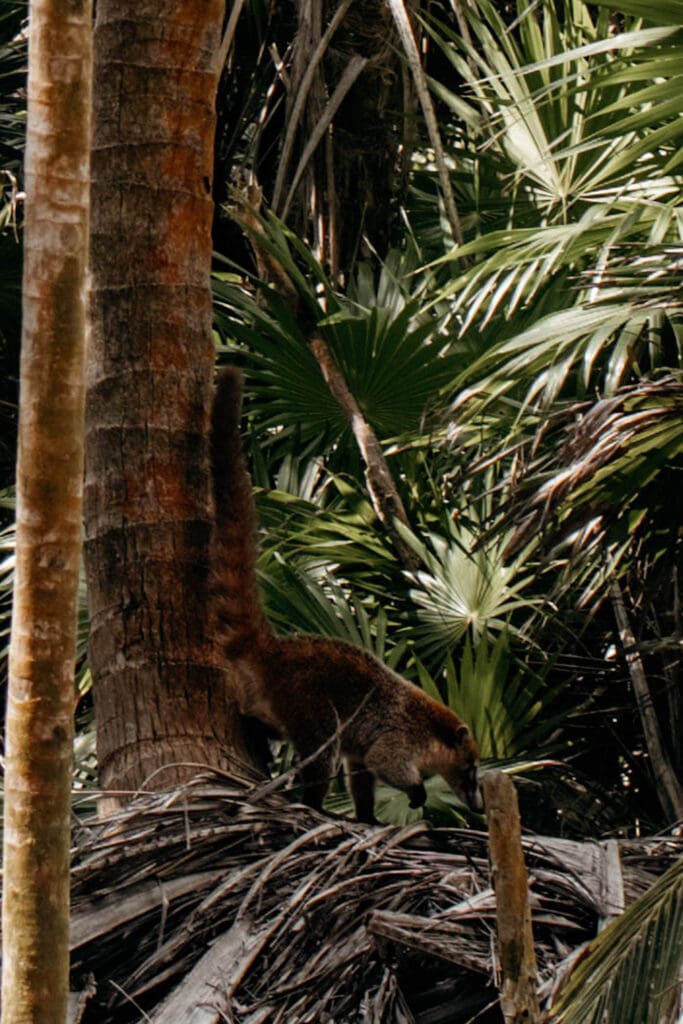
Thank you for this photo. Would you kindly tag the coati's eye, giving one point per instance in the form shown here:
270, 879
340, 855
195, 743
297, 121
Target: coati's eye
462, 734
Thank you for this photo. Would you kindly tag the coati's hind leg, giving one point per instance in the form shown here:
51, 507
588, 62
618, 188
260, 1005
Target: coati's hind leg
317, 768
315, 778
361, 783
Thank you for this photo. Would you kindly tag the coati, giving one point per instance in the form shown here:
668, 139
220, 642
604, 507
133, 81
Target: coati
325, 696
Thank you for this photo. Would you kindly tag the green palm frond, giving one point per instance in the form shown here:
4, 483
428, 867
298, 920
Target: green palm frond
467, 588
309, 598
660, 12
629, 324
572, 134
603, 473
631, 972
543, 96
508, 707
393, 368
388, 346
342, 532
615, 448
517, 267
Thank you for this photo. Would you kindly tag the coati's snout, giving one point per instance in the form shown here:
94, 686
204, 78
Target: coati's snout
471, 790
464, 781
466, 786
463, 776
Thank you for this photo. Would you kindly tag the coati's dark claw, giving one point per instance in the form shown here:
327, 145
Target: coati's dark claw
417, 796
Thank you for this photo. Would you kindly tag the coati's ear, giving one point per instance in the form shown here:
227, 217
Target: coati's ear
462, 735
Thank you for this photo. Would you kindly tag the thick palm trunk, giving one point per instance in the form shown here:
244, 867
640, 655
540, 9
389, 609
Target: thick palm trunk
35, 918
160, 699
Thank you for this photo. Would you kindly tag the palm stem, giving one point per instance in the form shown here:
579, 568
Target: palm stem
669, 788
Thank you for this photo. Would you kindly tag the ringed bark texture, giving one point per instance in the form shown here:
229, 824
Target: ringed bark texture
40, 704
160, 699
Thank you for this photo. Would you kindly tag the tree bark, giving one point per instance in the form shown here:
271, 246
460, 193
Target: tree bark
40, 704
161, 700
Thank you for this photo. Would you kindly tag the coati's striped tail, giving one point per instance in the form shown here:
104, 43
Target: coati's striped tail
238, 614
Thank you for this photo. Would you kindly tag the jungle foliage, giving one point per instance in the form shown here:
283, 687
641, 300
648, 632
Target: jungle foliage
488, 240
524, 383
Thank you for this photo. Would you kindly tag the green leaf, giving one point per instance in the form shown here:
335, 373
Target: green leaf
631, 972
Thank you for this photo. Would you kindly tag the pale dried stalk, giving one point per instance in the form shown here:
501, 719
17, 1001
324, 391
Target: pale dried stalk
669, 788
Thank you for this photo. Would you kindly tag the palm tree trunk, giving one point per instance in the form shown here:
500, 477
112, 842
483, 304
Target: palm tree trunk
161, 701
35, 915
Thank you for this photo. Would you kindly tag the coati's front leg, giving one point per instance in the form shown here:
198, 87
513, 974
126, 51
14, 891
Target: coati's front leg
387, 764
361, 783
315, 778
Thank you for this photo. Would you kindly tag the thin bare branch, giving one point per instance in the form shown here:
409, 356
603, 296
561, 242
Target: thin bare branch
349, 76
405, 31
668, 786
228, 35
386, 500
294, 115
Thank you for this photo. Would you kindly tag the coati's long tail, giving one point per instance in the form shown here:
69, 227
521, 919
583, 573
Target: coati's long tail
239, 616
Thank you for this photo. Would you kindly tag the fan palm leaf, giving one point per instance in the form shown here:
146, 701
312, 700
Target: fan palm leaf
508, 708
388, 346
589, 489
466, 588
566, 114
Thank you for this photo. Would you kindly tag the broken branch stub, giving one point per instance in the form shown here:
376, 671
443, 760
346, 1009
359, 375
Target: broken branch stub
518, 991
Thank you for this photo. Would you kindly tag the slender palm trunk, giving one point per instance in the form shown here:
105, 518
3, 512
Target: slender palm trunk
161, 702
35, 917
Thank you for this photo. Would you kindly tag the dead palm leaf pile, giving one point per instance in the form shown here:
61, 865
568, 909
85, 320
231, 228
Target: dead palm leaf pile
218, 902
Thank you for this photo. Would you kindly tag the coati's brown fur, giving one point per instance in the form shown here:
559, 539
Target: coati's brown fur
326, 696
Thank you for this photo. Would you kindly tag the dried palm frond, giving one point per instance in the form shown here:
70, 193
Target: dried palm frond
259, 910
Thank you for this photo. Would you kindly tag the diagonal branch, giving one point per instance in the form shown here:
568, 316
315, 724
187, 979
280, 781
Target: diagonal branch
302, 92
405, 31
228, 35
385, 498
349, 76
